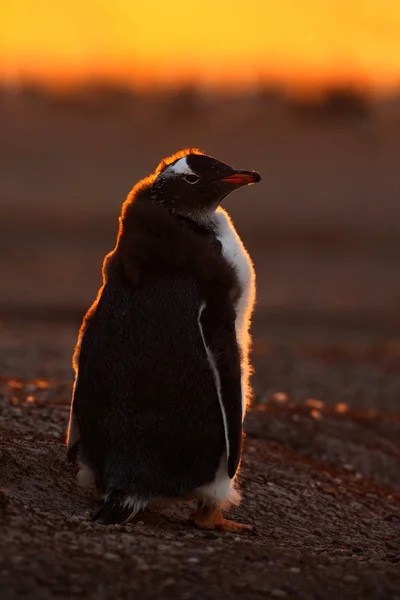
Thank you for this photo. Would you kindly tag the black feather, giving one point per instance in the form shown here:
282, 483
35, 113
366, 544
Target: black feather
116, 510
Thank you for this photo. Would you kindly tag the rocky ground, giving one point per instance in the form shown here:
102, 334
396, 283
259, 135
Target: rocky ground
320, 479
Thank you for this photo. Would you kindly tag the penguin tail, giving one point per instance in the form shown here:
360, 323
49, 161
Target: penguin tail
118, 508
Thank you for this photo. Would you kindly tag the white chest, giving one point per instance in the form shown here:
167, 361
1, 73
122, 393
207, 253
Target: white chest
236, 254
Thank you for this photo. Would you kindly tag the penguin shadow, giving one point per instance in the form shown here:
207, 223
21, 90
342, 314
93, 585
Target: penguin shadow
172, 517
175, 517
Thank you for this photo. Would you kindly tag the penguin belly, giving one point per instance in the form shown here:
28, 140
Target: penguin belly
146, 400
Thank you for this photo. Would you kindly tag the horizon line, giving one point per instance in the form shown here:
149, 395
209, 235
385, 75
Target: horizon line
296, 85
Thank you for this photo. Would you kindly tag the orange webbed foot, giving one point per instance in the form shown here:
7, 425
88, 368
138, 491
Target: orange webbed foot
211, 517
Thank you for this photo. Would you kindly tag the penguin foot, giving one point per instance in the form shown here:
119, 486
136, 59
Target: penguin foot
211, 517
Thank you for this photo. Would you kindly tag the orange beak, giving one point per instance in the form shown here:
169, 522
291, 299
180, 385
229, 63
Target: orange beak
242, 178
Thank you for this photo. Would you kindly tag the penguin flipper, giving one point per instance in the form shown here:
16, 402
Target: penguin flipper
118, 508
219, 338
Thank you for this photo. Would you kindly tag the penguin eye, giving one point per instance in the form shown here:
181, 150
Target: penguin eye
192, 178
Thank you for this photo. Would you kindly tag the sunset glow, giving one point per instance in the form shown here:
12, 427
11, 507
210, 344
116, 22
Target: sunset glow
214, 42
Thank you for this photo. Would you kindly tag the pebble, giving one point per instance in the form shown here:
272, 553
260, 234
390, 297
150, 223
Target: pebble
30, 388
193, 560
339, 552
350, 579
348, 467
110, 556
295, 570
278, 593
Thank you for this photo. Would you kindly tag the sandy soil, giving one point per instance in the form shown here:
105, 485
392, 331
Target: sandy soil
320, 483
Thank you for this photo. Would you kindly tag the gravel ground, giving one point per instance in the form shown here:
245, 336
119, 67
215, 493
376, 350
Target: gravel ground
320, 479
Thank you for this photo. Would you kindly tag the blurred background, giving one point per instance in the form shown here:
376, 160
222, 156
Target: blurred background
93, 95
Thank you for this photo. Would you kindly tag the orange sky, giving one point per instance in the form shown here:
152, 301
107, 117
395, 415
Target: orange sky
209, 40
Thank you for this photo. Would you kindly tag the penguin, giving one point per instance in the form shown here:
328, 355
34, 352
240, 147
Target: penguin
161, 362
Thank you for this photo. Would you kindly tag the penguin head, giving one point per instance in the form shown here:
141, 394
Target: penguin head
191, 183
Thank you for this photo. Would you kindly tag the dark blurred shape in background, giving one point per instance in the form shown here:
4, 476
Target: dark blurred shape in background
322, 227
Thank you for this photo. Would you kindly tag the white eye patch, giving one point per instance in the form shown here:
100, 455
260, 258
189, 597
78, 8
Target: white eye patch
181, 167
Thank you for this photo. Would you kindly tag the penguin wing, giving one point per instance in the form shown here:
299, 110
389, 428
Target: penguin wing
219, 338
